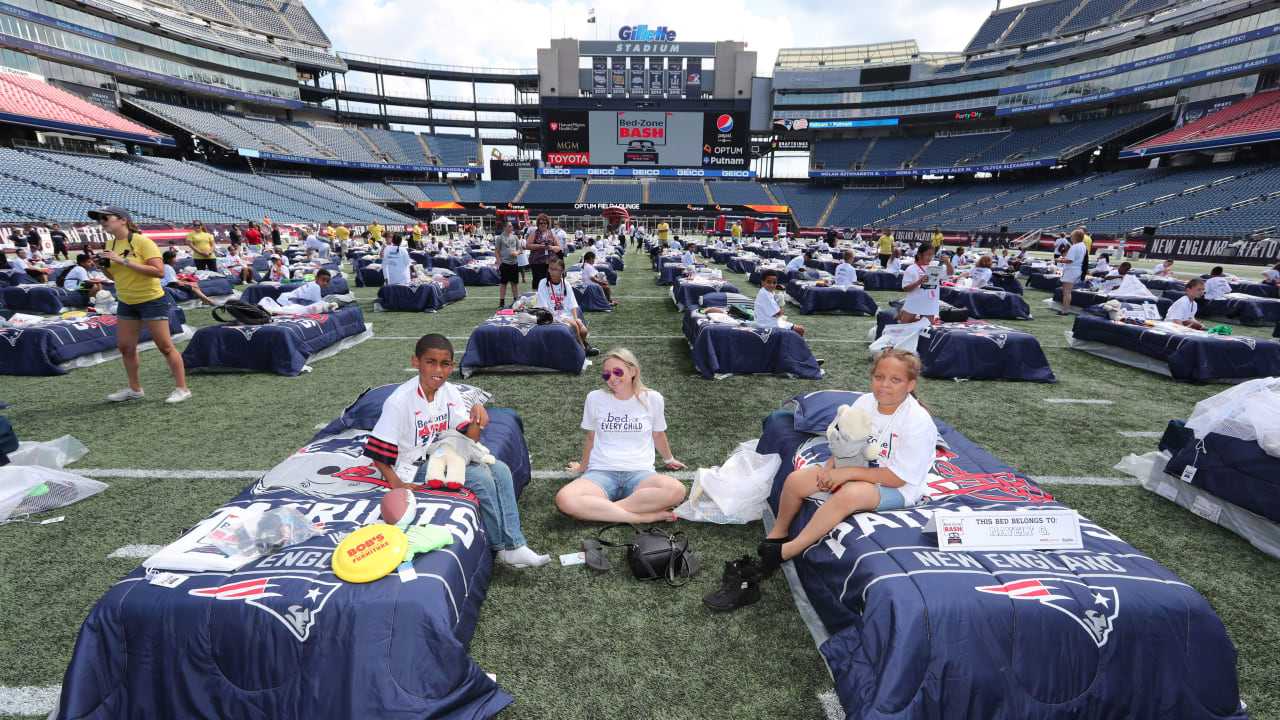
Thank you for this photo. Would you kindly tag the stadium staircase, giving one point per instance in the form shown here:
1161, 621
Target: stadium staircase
426, 149
911, 162
706, 190
518, 196
582, 194
377, 151
835, 198
772, 200
644, 193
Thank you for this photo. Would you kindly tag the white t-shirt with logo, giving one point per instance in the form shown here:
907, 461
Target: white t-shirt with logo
846, 275
559, 299
623, 429
924, 300
1182, 309
1216, 288
409, 423
908, 442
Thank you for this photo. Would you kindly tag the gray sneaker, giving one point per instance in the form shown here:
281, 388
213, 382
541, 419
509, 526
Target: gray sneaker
126, 394
178, 395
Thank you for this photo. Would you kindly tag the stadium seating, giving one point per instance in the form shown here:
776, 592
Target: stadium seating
368, 189
401, 147
673, 193
493, 191
551, 191
452, 149
991, 62
302, 23
1093, 13
614, 192
838, 154
949, 151
891, 153
1260, 113
1039, 20
20, 95
807, 202
1144, 6
738, 193
260, 17
855, 206
343, 142
992, 28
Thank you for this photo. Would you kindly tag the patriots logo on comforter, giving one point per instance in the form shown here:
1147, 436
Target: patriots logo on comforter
1093, 607
294, 600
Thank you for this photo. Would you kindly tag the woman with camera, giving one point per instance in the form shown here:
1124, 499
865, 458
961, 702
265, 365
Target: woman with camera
134, 263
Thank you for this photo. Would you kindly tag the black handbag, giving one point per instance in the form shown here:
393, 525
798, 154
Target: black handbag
655, 554
954, 314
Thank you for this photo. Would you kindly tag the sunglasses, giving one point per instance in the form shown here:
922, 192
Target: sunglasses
616, 372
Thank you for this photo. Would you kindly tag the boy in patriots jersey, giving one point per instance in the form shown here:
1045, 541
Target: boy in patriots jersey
412, 418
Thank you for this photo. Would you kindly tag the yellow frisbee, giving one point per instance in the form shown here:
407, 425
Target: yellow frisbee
369, 553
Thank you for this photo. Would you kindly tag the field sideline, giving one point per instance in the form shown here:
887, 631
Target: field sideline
564, 642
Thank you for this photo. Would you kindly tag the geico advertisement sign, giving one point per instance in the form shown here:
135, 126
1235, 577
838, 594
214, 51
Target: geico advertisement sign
569, 158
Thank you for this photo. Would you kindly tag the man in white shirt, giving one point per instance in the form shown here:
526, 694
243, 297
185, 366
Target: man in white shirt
396, 262
1217, 286
21, 263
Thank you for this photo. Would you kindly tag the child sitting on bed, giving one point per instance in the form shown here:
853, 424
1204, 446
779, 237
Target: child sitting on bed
901, 427
688, 260
1183, 310
767, 312
554, 294
598, 277
895, 261
1164, 269
277, 271
846, 274
1271, 276
170, 278
1217, 286
413, 417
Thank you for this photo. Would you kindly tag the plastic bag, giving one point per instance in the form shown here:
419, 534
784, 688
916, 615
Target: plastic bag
1248, 411
733, 493
253, 535
50, 453
901, 337
30, 489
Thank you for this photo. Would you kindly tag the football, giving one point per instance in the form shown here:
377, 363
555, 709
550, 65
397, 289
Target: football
398, 504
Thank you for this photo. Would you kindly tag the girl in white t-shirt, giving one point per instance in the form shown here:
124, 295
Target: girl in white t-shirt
1183, 310
625, 423
980, 273
901, 427
922, 289
556, 295
895, 261
1271, 276
1164, 269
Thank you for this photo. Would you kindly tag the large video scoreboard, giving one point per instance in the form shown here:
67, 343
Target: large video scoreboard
646, 138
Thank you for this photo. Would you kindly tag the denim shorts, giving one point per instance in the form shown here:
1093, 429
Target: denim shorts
618, 484
890, 499
148, 311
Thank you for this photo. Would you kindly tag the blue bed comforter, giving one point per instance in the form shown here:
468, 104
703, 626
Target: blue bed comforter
1191, 357
746, 348
40, 350
281, 346
501, 341
427, 296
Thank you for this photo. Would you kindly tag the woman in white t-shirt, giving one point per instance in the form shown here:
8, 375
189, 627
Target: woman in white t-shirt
901, 427
921, 287
625, 423
980, 273
1072, 261
1183, 310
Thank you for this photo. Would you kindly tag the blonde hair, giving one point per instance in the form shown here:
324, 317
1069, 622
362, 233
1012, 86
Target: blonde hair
628, 358
1077, 236
910, 360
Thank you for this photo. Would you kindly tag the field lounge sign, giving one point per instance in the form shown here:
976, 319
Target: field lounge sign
1214, 249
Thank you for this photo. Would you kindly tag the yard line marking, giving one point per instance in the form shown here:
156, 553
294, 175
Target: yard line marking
409, 337
136, 551
566, 475
168, 474
1138, 433
1083, 401
1103, 481
831, 705
29, 700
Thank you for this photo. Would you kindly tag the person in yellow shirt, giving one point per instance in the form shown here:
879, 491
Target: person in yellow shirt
736, 231
343, 233
1088, 241
664, 232
375, 232
135, 264
936, 239
417, 237
886, 247
202, 247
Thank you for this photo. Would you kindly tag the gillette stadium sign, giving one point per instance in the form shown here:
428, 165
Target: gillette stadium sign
644, 33
646, 40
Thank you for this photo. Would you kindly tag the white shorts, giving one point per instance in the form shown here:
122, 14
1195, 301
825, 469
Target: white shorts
1071, 275
921, 304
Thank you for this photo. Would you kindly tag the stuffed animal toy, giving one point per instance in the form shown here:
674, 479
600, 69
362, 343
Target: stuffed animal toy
849, 437
448, 457
1114, 309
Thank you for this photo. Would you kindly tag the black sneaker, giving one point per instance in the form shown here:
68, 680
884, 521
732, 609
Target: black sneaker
739, 586
592, 352
770, 557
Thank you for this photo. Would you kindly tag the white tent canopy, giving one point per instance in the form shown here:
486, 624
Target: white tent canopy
443, 221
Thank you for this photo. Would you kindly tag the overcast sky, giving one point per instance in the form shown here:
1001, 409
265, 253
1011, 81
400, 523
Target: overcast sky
507, 33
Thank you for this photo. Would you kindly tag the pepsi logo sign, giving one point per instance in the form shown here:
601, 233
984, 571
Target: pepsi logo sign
724, 123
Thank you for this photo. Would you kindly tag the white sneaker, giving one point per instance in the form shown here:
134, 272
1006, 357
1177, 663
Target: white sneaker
177, 396
126, 394
522, 557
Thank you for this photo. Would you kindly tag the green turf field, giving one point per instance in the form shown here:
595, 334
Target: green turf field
565, 643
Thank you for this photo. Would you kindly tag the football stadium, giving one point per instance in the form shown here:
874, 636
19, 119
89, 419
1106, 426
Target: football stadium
650, 375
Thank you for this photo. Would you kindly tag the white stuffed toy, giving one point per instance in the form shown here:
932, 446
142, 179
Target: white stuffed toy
1114, 309
448, 457
849, 437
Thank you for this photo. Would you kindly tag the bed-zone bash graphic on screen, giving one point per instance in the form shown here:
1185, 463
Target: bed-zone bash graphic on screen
645, 138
